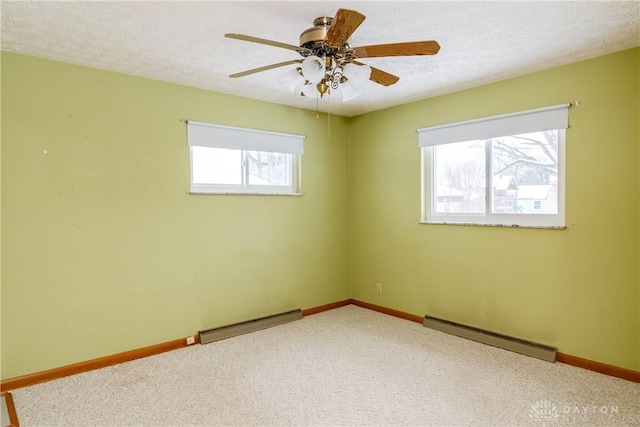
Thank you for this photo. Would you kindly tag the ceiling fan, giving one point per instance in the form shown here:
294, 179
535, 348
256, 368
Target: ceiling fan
330, 64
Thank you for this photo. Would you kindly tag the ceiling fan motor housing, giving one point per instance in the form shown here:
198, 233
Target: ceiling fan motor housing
315, 35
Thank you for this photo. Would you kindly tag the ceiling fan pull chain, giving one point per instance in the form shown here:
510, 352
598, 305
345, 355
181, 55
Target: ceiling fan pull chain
329, 118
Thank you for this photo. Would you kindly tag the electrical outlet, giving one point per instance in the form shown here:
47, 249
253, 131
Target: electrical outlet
378, 288
191, 340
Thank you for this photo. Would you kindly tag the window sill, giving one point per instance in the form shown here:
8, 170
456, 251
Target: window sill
549, 227
232, 193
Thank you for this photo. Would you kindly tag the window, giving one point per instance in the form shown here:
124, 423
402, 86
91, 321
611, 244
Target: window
502, 170
228, 160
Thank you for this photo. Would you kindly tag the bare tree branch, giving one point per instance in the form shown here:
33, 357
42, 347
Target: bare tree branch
550, 168
545, 147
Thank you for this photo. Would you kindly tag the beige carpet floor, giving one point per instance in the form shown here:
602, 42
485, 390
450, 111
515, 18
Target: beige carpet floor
348, 367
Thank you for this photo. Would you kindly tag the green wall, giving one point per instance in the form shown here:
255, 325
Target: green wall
577, 289
104, 250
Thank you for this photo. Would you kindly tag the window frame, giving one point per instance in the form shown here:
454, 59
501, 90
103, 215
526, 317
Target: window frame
224, 137
489, 218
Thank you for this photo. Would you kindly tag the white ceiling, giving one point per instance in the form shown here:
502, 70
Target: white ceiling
183, 42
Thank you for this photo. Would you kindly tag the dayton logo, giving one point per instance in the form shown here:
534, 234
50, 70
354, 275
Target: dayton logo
544, 412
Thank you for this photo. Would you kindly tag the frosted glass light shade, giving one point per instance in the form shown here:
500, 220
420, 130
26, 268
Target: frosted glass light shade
364, 72
297, 90
350, 70
349, 91
357, 74
313, 69
310, 90
292, 79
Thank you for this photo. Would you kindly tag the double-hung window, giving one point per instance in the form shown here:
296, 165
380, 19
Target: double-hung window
231, 160
501, 170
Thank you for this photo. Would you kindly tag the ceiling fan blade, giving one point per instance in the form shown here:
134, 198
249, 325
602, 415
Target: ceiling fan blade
266, 41
343, 25
265, 68
429, 47
381, 77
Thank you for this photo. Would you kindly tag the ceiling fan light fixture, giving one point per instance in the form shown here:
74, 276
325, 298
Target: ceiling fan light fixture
348, 91
293, 80
349, 70
357, 74
310, 90
297, 90
313, 69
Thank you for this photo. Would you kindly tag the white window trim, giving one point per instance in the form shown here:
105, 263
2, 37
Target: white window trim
484, 129
235, 138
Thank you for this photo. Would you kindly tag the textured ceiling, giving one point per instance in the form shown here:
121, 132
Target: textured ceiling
183, 42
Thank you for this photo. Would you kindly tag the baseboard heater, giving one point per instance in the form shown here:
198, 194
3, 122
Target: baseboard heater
222, 332
517, 345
